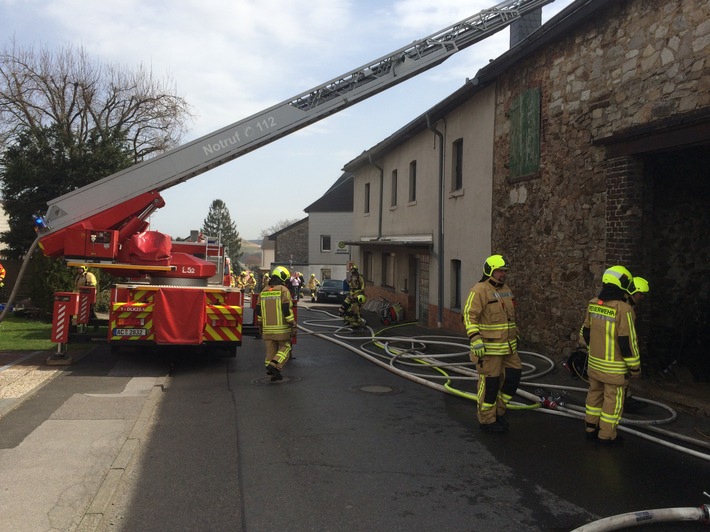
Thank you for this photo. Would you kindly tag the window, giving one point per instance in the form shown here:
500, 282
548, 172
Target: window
457, 170
525, 134
393, 199
388, 269
325, 243
367, 198
456, 284
413, 181
366, 269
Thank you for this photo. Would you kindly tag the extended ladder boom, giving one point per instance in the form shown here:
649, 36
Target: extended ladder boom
228, 143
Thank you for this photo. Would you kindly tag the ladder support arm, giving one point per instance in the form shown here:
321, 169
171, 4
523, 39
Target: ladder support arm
205, 153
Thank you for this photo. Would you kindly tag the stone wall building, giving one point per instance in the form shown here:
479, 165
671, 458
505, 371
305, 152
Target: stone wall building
291, 246
602, 156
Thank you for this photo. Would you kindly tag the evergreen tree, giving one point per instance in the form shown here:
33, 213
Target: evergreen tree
40, 166
218, 222
45, 164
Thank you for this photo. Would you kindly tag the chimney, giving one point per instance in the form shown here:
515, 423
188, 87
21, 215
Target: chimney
524, 26
193, 235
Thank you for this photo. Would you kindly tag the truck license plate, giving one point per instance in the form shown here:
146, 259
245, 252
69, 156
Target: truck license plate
130, 332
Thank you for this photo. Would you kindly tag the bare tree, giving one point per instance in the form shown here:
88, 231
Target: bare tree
67, 89
281, 224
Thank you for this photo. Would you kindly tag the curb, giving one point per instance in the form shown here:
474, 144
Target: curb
95, 514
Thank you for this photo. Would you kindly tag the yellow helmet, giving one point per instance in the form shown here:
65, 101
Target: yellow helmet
493, 263
280, 272
640, 285
313, 275
618, 276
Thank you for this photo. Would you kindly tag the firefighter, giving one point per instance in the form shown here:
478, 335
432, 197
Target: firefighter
352, 315
250, 283
2, 275
264, 280
83, 278
356, 287
637, 289
313, 285
242, 281
276, 321
610, 333
489, 318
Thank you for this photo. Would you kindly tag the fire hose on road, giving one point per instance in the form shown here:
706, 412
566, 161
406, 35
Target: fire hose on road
395, 352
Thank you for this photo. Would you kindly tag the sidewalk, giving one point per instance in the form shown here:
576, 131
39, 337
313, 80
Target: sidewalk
21, 373
66, 442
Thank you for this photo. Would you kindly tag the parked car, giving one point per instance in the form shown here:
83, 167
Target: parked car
332, 291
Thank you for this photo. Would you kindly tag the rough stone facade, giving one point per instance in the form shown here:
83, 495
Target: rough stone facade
636, 63
292, 244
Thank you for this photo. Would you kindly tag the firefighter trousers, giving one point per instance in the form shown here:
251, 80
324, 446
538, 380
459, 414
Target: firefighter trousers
278, 349
498, 380
605, 403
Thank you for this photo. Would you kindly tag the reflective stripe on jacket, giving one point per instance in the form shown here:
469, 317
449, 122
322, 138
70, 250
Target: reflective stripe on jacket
608, 321
490, 312
272, 302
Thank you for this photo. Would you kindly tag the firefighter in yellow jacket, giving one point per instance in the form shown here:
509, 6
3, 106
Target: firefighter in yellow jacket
610, 333
489, 317
350, 309
313, 285
250, 283
277, 321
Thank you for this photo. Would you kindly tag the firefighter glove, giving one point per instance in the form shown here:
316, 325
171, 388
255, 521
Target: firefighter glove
477, 347
635, 372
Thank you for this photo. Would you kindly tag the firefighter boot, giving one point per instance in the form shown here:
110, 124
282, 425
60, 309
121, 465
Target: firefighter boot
496, 426
274, 372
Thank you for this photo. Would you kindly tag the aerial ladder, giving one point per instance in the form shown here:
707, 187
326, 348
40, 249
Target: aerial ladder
104, 224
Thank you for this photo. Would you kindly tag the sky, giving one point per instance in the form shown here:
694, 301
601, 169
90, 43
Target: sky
232, 58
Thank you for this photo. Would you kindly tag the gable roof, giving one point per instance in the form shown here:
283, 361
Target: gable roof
273, 236
338, 198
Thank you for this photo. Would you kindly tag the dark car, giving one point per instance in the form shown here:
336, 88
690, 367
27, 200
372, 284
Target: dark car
332, 290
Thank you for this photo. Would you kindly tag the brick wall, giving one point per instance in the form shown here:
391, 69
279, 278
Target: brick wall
624, 212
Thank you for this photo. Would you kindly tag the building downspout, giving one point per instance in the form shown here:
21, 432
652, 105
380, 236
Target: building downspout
440, 247
382, 184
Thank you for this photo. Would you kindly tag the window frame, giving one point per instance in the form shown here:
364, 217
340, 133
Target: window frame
413, 181
457, 165
323, 249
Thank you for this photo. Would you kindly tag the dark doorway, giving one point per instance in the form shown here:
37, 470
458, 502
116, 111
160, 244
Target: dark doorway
676, 316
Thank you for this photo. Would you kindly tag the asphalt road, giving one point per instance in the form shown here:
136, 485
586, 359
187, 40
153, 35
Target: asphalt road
173, 442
